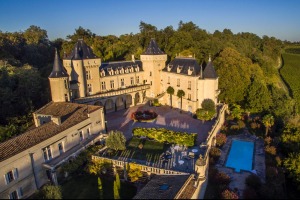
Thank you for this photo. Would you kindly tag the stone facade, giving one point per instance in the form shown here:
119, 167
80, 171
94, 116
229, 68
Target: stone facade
30, 160
94, 82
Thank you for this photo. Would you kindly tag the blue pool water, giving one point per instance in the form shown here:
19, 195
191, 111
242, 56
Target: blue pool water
240, 155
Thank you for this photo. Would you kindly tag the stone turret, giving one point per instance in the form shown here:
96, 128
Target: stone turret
154, 60
59, 81
83, 66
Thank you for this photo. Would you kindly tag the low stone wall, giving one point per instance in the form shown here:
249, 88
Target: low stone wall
201, 170
202, 167
144, 168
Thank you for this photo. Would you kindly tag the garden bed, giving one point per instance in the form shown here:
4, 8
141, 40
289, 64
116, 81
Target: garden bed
142, 149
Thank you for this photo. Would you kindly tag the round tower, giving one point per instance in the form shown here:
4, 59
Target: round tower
59, 81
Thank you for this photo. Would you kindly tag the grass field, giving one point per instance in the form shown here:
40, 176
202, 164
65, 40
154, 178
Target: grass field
291, 74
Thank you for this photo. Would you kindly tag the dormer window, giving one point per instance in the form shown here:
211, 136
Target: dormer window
170, 67
110, 71
179, 68
190, 70
130, 69
117, 71
102, 73
137, 69
121, 70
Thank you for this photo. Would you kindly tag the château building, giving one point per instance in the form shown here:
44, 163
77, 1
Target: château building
62, 130
83, 89
119, 85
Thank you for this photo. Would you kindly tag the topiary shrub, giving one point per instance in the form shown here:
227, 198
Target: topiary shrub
241, 124
221, 178
215, 153
278, 161
271, 150
228, 194
253, 181
268, 140
221, 139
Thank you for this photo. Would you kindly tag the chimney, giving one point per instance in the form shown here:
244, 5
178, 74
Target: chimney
132, 58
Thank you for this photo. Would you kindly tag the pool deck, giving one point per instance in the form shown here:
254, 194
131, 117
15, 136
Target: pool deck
238, 178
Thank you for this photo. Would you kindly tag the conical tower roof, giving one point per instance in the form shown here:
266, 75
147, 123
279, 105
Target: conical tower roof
58, 70
153, 49
209, 71
81, 51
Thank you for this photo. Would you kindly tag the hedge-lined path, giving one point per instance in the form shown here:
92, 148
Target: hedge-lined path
167, 118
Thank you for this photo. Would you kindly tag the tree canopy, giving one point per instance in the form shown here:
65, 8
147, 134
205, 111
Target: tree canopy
116, 140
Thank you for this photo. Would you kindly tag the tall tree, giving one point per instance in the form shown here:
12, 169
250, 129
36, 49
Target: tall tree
118, 182
35, 35
170, 91
258, 96
116, 140
51, 192
234, 71
207, 110
268, 121
180, 94
100, 189
116, 191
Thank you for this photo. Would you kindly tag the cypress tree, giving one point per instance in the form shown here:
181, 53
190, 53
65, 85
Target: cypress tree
100, 190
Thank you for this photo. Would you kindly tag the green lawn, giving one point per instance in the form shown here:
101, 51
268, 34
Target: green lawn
151, 150
85, 187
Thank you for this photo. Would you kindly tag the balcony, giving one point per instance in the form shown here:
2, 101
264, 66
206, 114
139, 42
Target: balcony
55, 162
114, 92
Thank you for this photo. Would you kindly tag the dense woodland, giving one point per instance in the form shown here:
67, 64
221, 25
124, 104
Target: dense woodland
247, 66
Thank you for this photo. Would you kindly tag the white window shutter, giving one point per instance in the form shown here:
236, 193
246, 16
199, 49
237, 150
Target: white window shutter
20, 192
16, 175
5, 179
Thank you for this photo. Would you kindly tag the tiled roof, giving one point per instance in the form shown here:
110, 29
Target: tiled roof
118, 65
209, 71
58, 70
184, 64
153, 188
81, 51
71, 114
153, 49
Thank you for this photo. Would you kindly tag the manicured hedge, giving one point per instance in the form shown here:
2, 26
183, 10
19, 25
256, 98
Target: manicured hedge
165, 135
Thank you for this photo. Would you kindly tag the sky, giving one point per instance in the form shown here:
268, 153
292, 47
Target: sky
274, 18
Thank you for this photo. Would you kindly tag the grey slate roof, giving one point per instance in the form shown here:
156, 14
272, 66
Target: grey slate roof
209, 71
184, 64
153, 49
153, 190
118, 65
81, 51
58, 70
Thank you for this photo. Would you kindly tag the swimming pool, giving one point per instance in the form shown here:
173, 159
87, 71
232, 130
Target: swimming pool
240, 155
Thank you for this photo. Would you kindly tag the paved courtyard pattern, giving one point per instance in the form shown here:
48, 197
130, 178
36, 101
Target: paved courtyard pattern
167, 118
